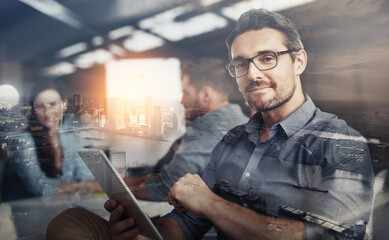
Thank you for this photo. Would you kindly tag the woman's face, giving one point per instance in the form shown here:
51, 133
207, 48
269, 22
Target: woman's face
48, 107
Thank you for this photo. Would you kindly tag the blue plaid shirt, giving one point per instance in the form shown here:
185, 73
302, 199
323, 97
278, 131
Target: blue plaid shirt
312, 161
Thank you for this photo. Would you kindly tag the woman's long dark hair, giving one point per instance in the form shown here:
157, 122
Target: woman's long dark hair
44, 148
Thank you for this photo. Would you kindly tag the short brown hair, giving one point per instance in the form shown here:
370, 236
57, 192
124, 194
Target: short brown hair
208, 72
256, 19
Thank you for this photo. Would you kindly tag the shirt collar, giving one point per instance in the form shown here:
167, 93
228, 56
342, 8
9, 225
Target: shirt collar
299, 118
290, 125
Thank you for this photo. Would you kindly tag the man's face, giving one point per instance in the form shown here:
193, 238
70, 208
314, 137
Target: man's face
265, 90
190, 100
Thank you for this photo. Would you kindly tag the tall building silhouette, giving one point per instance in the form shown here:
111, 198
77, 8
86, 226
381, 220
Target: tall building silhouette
149, 111
176, 126
101, 119
178, 116
77, 103
157, 123
118, 159
115, 117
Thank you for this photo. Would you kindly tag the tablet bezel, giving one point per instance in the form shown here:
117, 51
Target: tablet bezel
146, 227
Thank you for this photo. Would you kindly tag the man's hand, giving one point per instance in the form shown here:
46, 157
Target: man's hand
191, 193
92, 186
120, 226
125, 228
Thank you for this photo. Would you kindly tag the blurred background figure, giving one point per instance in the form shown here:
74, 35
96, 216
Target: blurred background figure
46, 162
209, 114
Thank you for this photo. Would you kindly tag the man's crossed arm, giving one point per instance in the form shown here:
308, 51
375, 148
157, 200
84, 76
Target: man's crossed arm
138, 185
190, 193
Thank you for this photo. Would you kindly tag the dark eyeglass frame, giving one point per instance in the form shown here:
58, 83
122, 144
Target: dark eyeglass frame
251, 60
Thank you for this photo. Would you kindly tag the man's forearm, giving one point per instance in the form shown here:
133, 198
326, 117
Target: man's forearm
140, 192
190, 193
138, 186
135, 182
242, 223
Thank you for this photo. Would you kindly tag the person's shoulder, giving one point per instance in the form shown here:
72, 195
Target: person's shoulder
23, 134
70, 138
232, 113
336, 145
237, 116
22, 148
220, 121
334, 133
234, 134
21, 141
330, 123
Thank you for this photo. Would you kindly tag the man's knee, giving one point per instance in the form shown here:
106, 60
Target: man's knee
77, 223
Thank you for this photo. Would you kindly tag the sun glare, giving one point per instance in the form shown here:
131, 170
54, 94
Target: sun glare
137, 79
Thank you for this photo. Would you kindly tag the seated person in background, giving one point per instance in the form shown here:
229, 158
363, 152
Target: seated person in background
172, 151
289, 153
206, 88
46, 161
166, 159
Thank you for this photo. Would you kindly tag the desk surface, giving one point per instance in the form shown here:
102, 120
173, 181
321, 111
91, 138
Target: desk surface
28, 219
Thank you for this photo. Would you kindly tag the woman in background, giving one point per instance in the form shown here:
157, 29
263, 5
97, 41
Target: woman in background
46, 161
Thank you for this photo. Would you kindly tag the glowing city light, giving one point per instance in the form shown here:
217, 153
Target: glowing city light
9, 96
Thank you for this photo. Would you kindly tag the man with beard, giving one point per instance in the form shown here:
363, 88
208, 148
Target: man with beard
289, 153
206, 88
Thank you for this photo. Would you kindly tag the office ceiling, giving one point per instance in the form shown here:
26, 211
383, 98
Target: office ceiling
66, 36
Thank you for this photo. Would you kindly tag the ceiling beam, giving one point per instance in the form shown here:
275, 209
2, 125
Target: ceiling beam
57, 11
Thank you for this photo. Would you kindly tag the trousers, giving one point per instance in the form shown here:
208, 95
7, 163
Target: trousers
78, 224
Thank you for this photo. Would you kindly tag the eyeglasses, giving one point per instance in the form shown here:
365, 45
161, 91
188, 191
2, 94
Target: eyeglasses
263, 61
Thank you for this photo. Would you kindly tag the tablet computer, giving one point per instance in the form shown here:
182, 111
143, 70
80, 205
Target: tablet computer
115, 187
